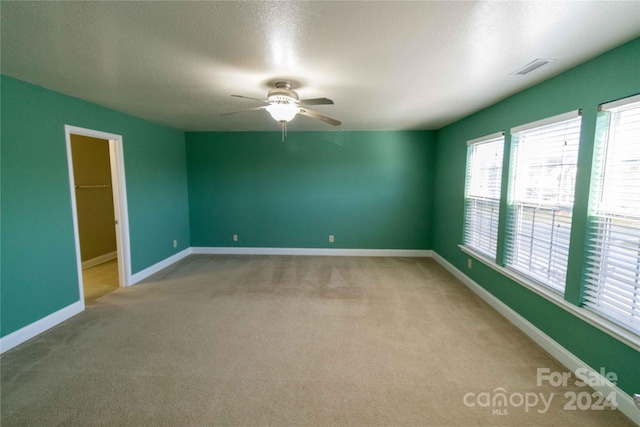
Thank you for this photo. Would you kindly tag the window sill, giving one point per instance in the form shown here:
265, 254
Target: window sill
610, 328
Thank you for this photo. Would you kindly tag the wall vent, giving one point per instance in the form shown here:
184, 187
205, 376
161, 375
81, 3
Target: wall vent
533, 65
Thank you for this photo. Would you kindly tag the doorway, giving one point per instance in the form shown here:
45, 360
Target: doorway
98, 193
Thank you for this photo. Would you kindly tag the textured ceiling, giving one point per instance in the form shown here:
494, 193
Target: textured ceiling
387, 65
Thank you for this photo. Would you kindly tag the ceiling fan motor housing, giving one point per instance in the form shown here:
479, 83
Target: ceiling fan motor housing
283, 94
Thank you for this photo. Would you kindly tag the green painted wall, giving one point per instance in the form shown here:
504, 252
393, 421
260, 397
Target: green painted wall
613, 75
39, 274
371, 190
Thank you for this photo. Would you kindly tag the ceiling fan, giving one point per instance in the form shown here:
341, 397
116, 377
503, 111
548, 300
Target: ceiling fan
284, 104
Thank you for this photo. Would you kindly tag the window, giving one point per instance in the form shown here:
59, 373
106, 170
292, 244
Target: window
482, 195
613, 249
544, 164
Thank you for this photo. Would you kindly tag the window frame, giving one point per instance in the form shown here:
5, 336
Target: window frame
542, 261
607, 291
486, 198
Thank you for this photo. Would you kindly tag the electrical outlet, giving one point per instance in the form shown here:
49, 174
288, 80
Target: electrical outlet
469, 263
330, 238
175, 243
636, 399
235, 237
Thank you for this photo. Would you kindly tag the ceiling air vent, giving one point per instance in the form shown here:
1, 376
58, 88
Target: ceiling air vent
533, 65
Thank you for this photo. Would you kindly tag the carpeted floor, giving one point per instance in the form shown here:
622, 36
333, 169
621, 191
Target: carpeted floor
287, 341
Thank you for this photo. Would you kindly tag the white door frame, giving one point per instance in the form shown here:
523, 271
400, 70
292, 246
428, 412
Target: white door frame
116, 154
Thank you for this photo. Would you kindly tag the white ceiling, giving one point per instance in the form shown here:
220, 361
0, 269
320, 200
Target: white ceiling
387, 65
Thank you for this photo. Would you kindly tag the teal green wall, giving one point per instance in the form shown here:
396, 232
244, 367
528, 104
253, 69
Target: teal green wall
39, 274
608, 77
371, 190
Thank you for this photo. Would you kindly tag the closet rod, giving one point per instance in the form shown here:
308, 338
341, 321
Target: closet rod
93, 186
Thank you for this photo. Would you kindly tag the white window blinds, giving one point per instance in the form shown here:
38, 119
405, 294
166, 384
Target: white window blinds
541, 198
613, 258
482, 194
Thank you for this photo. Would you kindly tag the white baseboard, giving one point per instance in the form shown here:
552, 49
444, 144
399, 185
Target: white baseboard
99, 260
39, 326
143, 274
561, 354
311, 252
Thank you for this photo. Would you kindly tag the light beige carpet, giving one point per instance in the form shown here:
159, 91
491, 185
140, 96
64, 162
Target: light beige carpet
286, 341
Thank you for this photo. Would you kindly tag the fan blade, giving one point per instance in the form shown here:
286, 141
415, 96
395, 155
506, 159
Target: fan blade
316, 115
242, 111
248, 97
316, 101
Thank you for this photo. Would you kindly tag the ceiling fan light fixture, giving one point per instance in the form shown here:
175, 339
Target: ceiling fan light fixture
283, 112
284, 104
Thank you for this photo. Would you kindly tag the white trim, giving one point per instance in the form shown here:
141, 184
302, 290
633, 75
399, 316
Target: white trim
619, 102
118, 187
561, 354
143, 274
121, 210
39, 326
99, 260
74, 215
553, 296
548, 121
418, 253
486, 138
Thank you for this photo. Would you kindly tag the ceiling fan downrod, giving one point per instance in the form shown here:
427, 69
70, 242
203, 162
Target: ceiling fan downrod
283, 125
